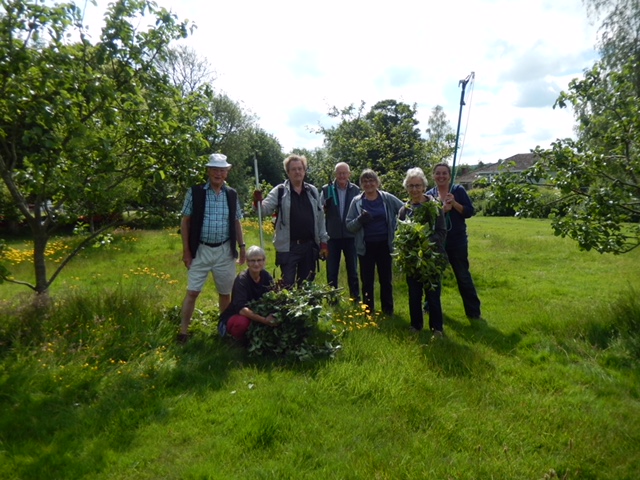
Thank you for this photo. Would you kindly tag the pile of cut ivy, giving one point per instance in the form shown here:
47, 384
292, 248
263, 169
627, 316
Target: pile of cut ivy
414, 253
303, 325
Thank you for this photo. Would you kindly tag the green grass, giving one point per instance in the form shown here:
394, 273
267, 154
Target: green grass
96, 387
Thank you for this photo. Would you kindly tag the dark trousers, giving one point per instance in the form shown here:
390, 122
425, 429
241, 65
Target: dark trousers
459, 260
298, 264
337, 247
416, 291
377, 255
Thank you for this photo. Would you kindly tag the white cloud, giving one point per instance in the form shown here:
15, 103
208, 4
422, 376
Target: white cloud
290, 61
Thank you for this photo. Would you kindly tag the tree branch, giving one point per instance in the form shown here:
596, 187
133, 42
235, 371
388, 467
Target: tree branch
79, 247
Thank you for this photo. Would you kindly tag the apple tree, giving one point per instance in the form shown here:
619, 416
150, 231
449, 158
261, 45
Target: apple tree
85, 122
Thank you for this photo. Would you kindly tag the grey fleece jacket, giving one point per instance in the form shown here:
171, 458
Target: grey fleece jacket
392, 205
282, 234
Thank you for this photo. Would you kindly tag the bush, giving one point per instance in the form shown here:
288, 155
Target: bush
478, 197
154, 221
299, 315
545, 202
415, 254
531, 202
497, 206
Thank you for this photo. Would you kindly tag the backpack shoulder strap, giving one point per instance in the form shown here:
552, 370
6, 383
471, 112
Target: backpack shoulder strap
280, 193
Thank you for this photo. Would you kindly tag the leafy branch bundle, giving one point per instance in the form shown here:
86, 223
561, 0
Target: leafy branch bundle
415, 254
299, 315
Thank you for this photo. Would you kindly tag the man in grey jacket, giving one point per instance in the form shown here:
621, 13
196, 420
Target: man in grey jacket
300, 235
336, 198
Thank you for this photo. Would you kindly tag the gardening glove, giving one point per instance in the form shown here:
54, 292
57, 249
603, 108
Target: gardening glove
324, 251
364, 217
257, 197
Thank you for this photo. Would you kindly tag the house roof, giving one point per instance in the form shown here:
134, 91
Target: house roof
520, 161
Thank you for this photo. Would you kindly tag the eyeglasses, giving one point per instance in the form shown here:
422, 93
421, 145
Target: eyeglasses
256, 260
415, 185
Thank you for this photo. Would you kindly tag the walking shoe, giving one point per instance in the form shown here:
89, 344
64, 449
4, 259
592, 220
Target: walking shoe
477, 320
438, 334
182, 338
414, 330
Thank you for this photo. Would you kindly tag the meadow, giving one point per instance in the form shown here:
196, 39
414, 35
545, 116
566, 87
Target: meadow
549, 387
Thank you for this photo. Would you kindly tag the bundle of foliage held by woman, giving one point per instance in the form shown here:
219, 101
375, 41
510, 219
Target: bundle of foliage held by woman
415, 254
300, 323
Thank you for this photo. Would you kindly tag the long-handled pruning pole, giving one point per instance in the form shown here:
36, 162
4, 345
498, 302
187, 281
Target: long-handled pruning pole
255, 167
462, 83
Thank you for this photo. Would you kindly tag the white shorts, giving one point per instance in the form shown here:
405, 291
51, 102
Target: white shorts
218, 261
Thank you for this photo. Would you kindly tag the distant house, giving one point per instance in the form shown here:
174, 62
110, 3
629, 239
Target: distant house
520, 162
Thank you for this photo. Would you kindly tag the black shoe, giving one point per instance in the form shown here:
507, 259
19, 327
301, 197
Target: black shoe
182, 338
477, 320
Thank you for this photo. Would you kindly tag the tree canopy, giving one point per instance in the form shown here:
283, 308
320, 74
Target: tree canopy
598, 173
235, 133
441, 137
386, 139
83, 126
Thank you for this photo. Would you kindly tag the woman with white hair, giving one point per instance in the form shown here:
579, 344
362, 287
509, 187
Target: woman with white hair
249, 285
416, 184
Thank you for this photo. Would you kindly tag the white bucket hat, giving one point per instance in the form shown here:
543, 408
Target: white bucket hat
218, 160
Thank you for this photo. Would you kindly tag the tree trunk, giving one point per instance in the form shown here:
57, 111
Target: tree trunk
40, 240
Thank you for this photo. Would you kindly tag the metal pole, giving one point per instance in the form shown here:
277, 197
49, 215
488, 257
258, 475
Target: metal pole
455, 151
255, 167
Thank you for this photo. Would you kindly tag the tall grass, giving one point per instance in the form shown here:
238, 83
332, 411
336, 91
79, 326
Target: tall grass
96, 388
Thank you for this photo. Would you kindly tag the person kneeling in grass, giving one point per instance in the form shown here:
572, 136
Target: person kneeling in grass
249, 285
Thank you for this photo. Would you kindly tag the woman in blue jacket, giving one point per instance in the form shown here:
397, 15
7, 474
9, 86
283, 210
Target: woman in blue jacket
458, 207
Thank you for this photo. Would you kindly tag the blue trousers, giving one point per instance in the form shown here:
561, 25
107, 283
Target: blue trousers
338, 247
459, 260
377, 255
416, 291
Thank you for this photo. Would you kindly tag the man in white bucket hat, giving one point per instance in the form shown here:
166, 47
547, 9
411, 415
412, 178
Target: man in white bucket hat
211, 235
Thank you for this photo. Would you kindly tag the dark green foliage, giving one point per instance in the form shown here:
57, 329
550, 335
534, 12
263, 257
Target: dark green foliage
414, 253
498, 204
598, 174
385, 139
90, 127
441, 138
300, 315
478, 196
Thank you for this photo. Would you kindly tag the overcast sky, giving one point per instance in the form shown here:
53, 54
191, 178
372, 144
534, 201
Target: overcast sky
289, 62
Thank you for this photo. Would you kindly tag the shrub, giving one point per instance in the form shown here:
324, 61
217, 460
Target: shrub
545, 202
478, 197
415, 254
300, 317
498, 206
